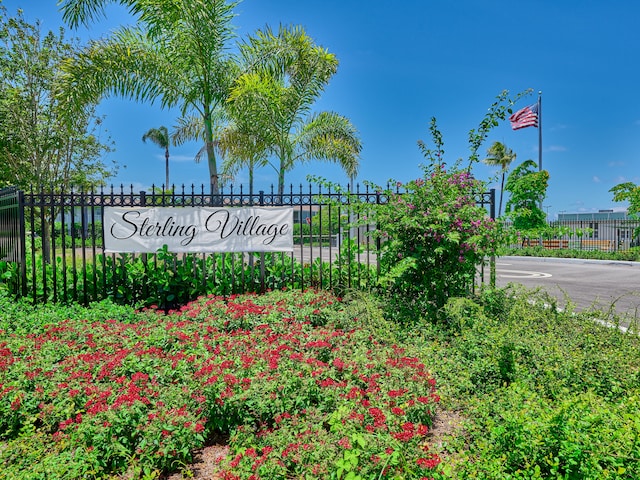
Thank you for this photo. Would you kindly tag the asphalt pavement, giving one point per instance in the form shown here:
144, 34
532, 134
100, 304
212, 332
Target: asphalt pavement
587, 284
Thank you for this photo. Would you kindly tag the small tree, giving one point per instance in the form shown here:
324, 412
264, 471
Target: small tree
176, 54
270, 104
527, 188
434, 233
437, 236
39, 144
160, 136
628, 192
242, 149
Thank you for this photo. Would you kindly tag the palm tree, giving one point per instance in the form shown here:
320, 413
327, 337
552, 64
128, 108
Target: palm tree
191, 128
500, 155
242, 150
270, 105
176, 54
160, 136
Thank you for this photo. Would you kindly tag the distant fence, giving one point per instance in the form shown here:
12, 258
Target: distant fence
54, 243
606, 235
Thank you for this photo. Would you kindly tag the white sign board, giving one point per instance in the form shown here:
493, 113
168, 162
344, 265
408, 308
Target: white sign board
198, 229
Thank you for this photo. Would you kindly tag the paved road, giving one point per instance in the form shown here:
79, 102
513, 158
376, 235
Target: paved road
588, 283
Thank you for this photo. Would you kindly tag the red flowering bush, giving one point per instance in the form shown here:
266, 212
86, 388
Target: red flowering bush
299, 383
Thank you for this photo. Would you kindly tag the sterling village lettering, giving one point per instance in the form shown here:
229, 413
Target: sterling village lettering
198, 229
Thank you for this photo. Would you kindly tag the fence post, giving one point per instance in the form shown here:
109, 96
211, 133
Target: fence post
492, 209
144, 257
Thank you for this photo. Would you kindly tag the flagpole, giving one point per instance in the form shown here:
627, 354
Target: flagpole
540, 130
540, 135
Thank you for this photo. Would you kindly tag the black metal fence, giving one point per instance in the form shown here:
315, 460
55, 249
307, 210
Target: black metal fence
12, 227
54, 243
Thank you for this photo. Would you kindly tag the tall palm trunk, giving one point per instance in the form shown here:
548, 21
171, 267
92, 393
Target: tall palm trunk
211, 154
166, 166
281, 171
501, 194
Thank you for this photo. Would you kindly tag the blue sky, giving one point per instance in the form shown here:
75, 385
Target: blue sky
402, 63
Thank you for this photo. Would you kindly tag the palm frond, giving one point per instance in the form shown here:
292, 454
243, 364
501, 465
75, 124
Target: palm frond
188, 128
290, 59
330, 137
84, 12
499, 155
159, 136
191, 127
127, 65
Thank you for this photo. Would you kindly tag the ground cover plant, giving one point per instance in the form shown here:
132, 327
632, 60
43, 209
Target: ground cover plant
304, 384
545, 393
309, 386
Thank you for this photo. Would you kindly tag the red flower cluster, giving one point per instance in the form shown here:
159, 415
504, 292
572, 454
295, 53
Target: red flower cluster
160, 385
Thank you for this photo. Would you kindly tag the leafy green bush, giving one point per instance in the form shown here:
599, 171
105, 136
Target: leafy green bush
519, 434
304, 382
436, 236
546, 394
631, 255
169, 280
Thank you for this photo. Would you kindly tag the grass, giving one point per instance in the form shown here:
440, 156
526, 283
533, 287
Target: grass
310, 386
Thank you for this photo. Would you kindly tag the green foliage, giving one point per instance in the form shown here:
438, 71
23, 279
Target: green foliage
308, 385
500, 155
628, 192
528, 188
433, 234
166, 56
39, 144
630, 255
546, 394
285, 73
160, 136
434, 237
437, 236
320, 227
169, 280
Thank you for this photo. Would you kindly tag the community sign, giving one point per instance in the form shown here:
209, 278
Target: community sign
198, 229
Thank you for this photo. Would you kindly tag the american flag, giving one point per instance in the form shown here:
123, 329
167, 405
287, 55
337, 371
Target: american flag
527, 117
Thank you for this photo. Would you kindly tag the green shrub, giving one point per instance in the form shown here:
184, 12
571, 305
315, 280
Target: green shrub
519, 434
170, 280
437, 236
546, 394
631, 255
